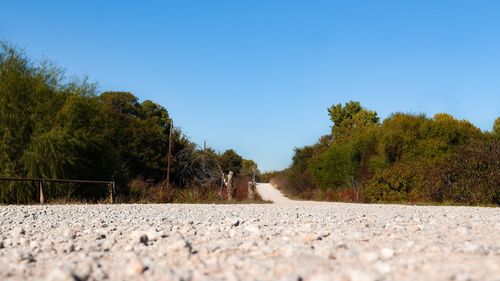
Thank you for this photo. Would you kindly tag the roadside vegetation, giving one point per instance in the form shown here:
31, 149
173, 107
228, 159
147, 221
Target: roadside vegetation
406, 158
55, 127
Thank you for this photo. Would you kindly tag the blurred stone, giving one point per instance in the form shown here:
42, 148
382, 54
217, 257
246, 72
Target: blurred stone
386, 253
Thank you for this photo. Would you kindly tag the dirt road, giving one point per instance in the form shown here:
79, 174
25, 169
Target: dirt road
269, 193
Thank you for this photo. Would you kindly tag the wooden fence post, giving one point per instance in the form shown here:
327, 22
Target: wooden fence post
42, 198
111, 192
169, 152
251, 194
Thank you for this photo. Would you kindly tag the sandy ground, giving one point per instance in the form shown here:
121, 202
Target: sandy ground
289, 240
269, 193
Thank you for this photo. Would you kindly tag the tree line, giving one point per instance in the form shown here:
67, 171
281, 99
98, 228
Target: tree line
55, 127
404, 158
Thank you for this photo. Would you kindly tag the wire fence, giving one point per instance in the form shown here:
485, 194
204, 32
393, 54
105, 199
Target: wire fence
42, 185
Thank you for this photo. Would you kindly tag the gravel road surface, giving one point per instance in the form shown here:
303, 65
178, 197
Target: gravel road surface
289, 241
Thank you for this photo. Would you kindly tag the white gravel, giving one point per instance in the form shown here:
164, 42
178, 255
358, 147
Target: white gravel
292, 241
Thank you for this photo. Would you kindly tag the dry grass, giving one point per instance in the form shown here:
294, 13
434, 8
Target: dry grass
146, 192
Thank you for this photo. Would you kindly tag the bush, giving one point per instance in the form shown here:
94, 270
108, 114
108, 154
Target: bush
472, 174
408, 158
269, 176
150, 192
401, 182
294, 183
334, 168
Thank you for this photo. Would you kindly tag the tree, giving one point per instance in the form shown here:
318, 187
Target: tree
496, 128
401, 182
52, 127
22, 88
231, 161
450, 130
349, 118
399, 136
471, 174
249, 168
48, 128
334, 168
138, 132
196, 167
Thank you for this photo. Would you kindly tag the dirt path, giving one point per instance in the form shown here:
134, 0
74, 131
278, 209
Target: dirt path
270, 193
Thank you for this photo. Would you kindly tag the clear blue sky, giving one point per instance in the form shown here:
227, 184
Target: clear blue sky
258, 76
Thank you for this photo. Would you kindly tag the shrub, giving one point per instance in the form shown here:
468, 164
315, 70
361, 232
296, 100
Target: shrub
496, 128
334, 168
402, 182
269, 176
150, 192
472, 174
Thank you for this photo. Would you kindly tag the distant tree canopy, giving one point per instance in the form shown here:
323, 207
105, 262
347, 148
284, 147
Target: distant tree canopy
138, 133
496, 128
48, 128
249, 168
52, 127
231, 161
349, 118
406, 158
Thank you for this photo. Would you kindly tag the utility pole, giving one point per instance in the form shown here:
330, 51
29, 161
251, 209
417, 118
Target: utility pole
169, 153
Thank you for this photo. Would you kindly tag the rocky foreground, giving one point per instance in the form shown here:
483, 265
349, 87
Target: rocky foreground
249, 242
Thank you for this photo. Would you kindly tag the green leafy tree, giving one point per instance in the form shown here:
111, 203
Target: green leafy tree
450, 130
52, 127
231, 161
48, 128
401, 182
348, 118
405, 159
249, 168
20, 85
138, 132
400, 134
298, 176
334, 168
471, 174
496, 128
